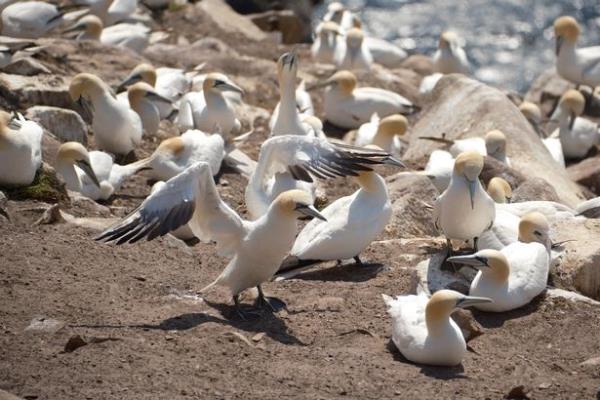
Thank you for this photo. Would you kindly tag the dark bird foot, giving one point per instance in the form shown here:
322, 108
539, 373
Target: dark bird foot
271, 303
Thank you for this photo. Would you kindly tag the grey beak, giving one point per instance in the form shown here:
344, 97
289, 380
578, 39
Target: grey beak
87, 168
472, 188
473, 260
86, 107
78, 27
559, 41
130, 80
572, 120
310, 211
472, 300
319, 85
227, 86
394, 161
153, 96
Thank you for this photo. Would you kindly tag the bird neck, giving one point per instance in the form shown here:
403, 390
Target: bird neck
567, 49
498, 275
383, 139
214, 99
371, 182
437, 321
70, 176
287, 93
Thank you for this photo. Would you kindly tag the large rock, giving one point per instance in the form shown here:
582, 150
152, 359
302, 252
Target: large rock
586, 173
65, 124
534, 189
286, 22
230, 21
460, 107
421, 64
547, 89
410, 195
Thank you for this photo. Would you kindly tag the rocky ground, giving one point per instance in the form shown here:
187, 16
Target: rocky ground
80, 319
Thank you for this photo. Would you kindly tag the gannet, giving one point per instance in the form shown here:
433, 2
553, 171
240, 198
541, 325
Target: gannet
256, 248
384, 133
184, 232
384, 52
170, 83
325, 49
142, 99
20, 150
450, 58
577, 135
176, 154
210, 108
355, 55
513, 276
349, 107
287, 161
580, 66
353, 222
493, 144
117, 128
286, 119
533, 114
132, 36
464, 211
339, 14
32, 19
499, 190
314, 126
505, 229
422, 328
110, 11
93, 174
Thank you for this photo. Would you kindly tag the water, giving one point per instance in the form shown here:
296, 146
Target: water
509, 42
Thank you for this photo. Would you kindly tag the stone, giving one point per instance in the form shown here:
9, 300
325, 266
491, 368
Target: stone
586, 173
535, 189
547, 89
74, 342
46, 187
460, 107
4, 206
591, 362
8, 396
467, 324
571, 296
230, 21
291, 27
26, 66
493, 168
65, 124
421, 64
410, 195
43, 324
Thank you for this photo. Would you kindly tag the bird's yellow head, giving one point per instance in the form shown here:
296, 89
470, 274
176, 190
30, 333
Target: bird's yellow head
328, 28
443, 302
573, 102
395, 124
566, 28
344, 80
296, 203
91, 25
314, 122
172, 146
136, 92
531, 111
220, 83
146, 72
86, 85
499, 190
288, 62
469, 164
72, 152
354, 38
495, 142
448, 39
534, 227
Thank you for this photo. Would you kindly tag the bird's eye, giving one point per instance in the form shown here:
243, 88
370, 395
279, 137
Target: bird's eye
537, 233
219, 82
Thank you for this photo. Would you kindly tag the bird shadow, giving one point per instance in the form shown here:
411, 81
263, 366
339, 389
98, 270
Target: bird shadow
497, 319
442, 373
265, 322
343, 273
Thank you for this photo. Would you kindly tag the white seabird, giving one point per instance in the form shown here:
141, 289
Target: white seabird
450, 58
384, 133
499, 190
355, 55
349, 107
255, 248
580, 66
142, 99
20, 150
32, 19
493, 144
93, 174
422, 328
464, 211
325, 49
533, 114
117, 128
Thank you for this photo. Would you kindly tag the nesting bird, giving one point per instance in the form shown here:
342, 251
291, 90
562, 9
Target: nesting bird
131, 36
464, 211
384, 133
210, 108
422, 328
499, 190
533, 114
577, 135
32, 19
493, 144
517, 273
349, 107
325, 49
117, 128
355, 55
142, 99
450, 58
93, 174
20, 150
580, 66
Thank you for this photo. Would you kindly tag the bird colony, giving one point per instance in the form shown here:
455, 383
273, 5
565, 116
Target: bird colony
324, 131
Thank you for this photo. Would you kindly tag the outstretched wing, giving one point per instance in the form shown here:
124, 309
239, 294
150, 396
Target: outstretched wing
304, 156
189, 197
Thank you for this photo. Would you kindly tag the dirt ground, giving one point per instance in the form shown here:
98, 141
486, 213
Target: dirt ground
147, 335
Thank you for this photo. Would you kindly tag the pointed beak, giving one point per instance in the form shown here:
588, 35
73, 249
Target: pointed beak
78, 27
130, 80
86, 107
572, 118
556, 245
153, 96
319, 85
472, 259
310, 211
87, 169
230, 86
472, 188
472, 300
559, 41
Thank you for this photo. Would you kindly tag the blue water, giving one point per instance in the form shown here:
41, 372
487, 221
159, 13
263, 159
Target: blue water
508, 42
